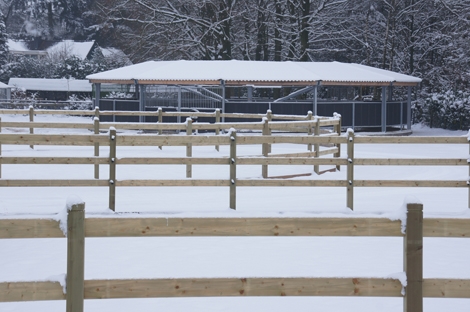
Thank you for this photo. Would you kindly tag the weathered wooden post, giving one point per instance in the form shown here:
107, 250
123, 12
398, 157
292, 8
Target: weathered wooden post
413, 258
338, 130
160, 121
189, 148
265, 148
31, 119
309, 131
217, 130
96, 127
75, 257
233, 169
350, 171
316, 133
112, 168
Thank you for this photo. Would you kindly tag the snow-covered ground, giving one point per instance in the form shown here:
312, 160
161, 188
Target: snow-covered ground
43, 259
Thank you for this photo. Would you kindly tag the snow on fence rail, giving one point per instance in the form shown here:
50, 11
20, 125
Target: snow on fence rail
232, 140
79, 227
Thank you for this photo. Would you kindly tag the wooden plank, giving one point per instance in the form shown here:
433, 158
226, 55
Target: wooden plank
446, 288
48, 183
413, 259
411, 162
304, 154
64, 112
131, 227
212, 287
175, 140
143, 126
328, 151
53, 139
187, 182
409, 183
446, 227
51, 125
173, 161
55, 160
301, 139
329, 122
227, 126
30, 291
410, 140
30, 228
75, 258
290, 161
292, 183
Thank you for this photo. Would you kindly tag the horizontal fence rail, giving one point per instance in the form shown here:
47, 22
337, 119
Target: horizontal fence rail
331, 143
80, 227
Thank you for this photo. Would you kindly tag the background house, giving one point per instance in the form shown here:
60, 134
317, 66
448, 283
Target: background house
5, 91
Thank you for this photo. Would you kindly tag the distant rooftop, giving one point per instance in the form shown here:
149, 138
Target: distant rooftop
39, 84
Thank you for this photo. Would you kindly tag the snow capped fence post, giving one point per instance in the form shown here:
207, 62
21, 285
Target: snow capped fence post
233, 169
96, 127
189, 148
350, 171
337, 129
160, 121
316, 133
309, 131
413, 258
112, 168
75, 257
217, 130
265, 148
31, 119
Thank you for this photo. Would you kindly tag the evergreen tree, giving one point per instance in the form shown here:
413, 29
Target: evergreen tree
3, 41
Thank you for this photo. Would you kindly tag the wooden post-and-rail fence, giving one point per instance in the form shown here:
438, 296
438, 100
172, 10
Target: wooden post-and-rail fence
233, 161
78, 228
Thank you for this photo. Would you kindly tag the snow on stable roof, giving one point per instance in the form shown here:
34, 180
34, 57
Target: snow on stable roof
38, 84
4, 86
251, 73
70, 47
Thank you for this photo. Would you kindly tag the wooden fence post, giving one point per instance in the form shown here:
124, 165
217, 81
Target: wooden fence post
0, 148
338, 146
75, 258
31, 119
160, 121
233, 170
309, 131
96, 126
189, 148
265, 148
112, 169
269, 116
413, 259
350, 171
316, 168
217, 131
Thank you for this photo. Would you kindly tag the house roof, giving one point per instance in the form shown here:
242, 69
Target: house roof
21, 47
70, 47
252, 73
39, 84
4, 86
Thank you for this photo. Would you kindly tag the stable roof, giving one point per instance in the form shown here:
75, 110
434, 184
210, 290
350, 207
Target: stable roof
4, 86
39, 84
257, 73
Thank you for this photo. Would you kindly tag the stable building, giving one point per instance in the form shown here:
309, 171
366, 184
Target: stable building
365, 96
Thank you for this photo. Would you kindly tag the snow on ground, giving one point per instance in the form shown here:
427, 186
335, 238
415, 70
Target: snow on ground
44, 259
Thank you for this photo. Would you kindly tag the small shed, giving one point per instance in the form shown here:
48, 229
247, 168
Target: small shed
53, 89
363, 95
5, 91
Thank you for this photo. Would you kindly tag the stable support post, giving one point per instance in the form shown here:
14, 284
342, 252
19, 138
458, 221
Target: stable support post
217, 130
316, 168
413, 259
350, 171
160, 121
189, 148
112, 169
269, 117
96, 128
97, 94
408, 110
315, 100
233, 170
75, 258
222, 83
265, 148
142, 102
384, 109
178, 118
31, 119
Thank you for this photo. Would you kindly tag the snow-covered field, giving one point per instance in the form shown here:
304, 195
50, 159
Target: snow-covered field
43, 259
